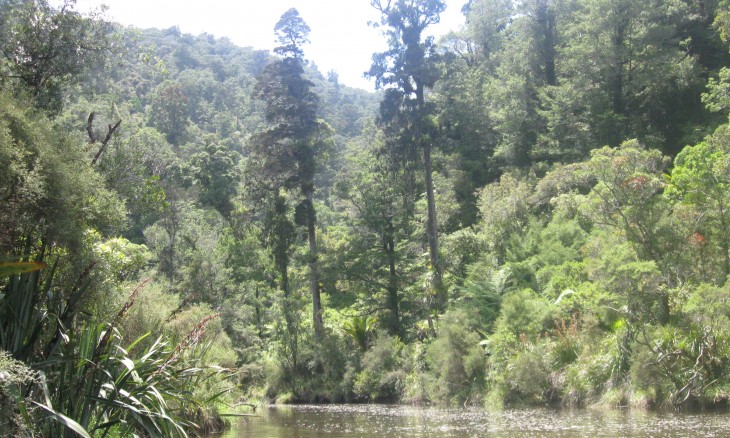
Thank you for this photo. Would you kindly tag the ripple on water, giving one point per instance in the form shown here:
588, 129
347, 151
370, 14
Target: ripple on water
366, 421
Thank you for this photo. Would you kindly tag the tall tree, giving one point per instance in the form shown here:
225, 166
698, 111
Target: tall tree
380, 198
289, 150
169, 112
627, 196
406, 70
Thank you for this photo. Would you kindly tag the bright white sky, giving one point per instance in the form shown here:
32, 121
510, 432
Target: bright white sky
340, 38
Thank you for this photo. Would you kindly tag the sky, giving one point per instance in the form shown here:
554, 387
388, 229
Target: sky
341, 39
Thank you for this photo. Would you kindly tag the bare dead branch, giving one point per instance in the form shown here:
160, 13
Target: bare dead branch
90, 128
105, 142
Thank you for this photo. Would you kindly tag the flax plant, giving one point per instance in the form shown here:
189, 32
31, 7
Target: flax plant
80, 374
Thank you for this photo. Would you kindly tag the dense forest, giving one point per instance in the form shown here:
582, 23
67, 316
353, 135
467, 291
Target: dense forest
532, 210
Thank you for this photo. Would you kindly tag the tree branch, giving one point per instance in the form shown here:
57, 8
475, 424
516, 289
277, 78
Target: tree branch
90, 128
93, 138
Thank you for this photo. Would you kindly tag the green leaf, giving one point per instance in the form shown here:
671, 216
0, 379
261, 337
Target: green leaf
66, 421
127, 362
137, 341
12, 268
565, 293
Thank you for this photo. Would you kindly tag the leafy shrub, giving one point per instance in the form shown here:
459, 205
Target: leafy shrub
381, 378
483, 290
525, 313
418, 380
218, 348
318, 374
528, 375
457, 361
587, 378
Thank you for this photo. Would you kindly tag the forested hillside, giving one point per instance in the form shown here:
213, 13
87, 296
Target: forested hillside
532, 210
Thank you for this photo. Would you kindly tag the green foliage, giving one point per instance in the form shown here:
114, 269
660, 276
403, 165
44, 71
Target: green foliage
360, 329
524, 313
217, 345
16, 407
483, 291
291, 32
123, 257
288, 154
699, 179
686, 364
457, 361
381, 378
529, 375
319, 373
46, 46
409, 57
591, 375
142, 169
637, 282
169, 112
97, 382
215, 170
376, 259
406, 70
504, 210
718, 97
468, 135
50, 191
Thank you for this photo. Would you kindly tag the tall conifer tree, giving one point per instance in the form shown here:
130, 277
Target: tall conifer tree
287, 152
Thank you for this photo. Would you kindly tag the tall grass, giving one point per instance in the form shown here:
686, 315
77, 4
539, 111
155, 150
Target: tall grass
83, 377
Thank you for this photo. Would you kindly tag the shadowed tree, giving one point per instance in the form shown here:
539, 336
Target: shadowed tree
406, 70
288, 152
381, 199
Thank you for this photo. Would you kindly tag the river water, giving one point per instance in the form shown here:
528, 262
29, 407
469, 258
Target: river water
366, 421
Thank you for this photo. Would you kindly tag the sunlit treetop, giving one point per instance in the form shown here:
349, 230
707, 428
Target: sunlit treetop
292, 33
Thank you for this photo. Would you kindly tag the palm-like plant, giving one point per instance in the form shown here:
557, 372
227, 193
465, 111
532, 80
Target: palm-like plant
360, 329
484, 289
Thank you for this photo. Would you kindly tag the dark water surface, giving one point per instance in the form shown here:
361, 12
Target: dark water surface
368, 421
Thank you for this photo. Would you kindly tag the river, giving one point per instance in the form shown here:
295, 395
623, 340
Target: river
366, 421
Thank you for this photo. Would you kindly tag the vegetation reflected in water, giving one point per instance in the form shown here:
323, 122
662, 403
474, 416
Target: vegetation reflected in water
396, 421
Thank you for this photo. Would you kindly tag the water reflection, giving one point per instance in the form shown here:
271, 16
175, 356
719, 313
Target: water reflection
403, 421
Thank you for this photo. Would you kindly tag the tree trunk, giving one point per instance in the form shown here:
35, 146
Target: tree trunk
289, 308
431, 223
617, 70
281, 259
392, 281
545, 17
432, 232
259, 325
314, 266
